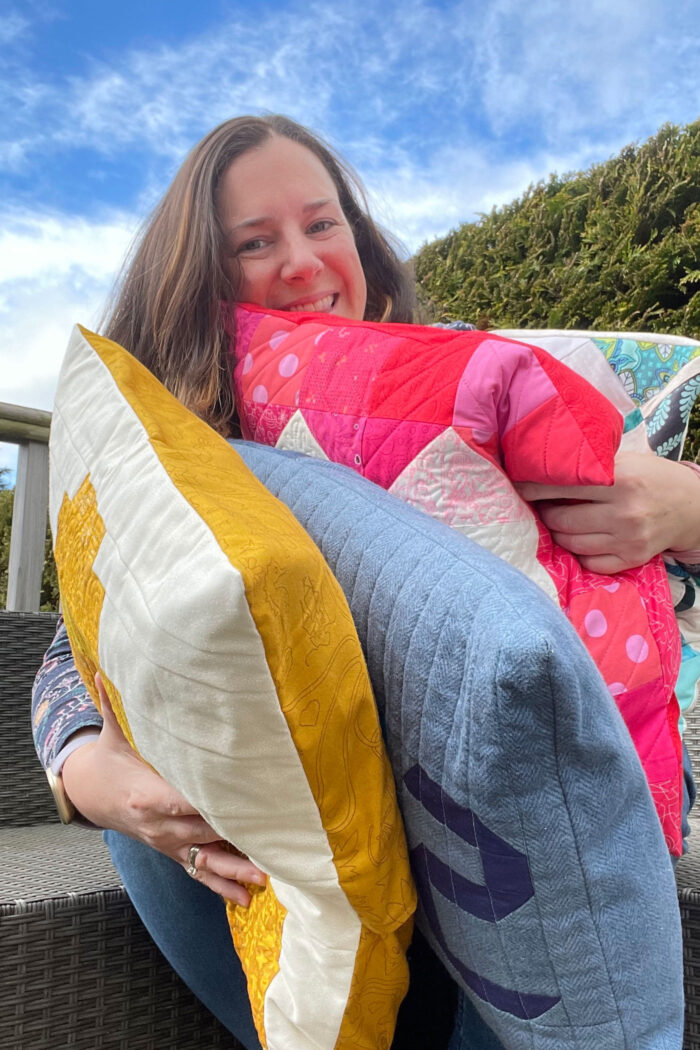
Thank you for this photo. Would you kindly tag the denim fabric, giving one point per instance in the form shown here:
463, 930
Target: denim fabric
188, 923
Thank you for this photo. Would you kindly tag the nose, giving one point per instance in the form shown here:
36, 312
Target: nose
300, 260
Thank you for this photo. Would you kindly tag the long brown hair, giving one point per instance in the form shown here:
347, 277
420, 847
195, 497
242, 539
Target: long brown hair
166, 307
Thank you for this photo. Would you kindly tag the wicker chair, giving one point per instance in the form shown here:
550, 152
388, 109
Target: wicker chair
77, 968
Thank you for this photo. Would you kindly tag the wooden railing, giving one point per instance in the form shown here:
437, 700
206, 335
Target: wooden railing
28, 428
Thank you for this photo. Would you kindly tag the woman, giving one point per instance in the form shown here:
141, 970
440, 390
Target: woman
261, 211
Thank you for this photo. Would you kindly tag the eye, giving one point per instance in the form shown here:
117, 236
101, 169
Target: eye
321, 225
253, 245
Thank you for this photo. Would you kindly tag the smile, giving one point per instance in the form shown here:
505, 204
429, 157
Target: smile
320, 306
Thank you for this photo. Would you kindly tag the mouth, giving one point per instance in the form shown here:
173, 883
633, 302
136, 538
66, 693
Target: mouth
319, 306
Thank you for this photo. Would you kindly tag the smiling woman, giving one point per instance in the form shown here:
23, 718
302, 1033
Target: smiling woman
262, 212
225, 232
291, 251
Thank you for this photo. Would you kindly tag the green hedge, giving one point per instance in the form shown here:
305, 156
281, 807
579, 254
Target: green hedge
615, 247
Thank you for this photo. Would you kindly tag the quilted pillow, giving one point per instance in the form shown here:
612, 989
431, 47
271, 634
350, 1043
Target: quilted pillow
653, 381
233, 666
531, 829
447, 421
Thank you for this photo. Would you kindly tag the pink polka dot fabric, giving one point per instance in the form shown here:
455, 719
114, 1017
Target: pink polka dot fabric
420, 410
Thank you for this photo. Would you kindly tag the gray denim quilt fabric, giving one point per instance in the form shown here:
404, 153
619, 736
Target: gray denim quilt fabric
545, 884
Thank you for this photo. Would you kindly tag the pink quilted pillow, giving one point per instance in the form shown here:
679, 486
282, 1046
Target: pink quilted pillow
447, 421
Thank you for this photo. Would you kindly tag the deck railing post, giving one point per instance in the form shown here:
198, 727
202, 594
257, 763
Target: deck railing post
28, 428
29, 512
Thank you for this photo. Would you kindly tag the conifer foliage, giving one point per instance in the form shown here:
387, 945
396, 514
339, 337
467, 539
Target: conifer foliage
615, 247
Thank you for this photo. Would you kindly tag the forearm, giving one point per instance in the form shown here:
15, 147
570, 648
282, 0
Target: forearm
111, 787
61, 705
687, 549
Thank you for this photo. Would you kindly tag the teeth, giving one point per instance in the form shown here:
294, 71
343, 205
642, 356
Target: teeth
321, 306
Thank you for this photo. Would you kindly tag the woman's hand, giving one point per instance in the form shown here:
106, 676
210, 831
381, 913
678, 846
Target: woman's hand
112, 787
653, 506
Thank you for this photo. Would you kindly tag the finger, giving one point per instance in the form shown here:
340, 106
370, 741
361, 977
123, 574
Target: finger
210, 868
228, 888
107, 711
593, 544
578, 517
105, 706
605, 564
175, 834
222, 859
183, 829
532, 491
230, 891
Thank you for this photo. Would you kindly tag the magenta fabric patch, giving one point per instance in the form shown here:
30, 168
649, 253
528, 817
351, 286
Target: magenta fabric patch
390, 446
342, 370
339, 435
264, 423
500, 382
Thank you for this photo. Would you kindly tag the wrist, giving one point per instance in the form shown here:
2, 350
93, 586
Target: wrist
686, 547
83, 736
73, 781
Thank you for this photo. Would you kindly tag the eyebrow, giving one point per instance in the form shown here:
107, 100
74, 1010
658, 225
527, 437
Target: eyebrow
261, 219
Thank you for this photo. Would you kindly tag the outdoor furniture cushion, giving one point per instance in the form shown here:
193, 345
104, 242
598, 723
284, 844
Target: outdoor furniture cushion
232, 663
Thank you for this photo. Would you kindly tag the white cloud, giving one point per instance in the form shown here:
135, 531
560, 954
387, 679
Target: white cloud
36, 246
569, 69
555, 72
445, 109
55, 270
419, 202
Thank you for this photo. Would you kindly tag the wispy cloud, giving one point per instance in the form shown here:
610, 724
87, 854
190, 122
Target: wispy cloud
55, 270
563, 68
459, 183
550, 69
446, 109
12, 27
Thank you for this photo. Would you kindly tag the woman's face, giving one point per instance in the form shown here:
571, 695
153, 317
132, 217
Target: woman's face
286, 230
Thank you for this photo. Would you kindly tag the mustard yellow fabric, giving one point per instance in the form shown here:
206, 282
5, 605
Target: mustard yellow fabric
164, 540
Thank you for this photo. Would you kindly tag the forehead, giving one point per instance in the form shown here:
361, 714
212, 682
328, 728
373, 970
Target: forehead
278, 173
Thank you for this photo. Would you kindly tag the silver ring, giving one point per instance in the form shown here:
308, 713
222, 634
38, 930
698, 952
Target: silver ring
191, 861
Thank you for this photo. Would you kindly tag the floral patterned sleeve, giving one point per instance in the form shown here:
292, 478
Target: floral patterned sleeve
61, 704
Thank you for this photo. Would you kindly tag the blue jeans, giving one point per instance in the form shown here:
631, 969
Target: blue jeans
188, 923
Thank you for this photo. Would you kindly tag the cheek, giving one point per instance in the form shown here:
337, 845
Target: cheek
360, 287
349, 266
238, 277
253, 282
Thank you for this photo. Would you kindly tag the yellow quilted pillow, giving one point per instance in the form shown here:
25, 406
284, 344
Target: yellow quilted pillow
231, 660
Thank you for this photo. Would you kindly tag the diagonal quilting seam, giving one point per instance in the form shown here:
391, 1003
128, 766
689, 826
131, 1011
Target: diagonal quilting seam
391, 436
446, 385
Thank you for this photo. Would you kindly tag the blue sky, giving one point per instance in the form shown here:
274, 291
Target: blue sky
445, 107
